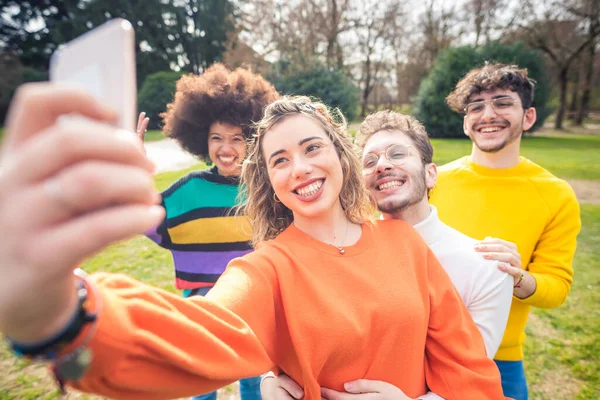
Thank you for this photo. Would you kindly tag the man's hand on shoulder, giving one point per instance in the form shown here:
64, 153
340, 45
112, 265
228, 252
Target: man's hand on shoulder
510, 262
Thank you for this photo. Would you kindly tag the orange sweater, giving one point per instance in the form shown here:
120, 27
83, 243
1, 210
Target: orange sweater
384, 310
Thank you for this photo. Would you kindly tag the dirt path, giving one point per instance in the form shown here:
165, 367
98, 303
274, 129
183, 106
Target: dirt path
168, 156
586, 191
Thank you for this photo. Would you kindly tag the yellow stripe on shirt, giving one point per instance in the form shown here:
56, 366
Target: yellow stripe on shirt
212, 230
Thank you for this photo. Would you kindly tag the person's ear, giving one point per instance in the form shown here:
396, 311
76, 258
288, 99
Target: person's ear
529, 118
430, 175
465, 126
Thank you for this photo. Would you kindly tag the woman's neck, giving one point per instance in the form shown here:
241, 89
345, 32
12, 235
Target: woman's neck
333, 227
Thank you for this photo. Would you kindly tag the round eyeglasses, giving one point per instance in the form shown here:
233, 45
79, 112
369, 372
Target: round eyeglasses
500, 105
396, 154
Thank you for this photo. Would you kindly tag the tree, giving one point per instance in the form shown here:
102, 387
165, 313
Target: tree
590, 10
187, 35
23, 35
14, 76
484, 15
374, 36
555, 29
439, 29
453, 63
203, 26
156, 92
332, 18
329, 85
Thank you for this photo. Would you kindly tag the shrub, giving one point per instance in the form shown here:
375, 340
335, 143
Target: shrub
13, 81
330, 86
156, 92
452, 64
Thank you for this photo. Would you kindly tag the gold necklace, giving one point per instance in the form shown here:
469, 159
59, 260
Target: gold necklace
341, 246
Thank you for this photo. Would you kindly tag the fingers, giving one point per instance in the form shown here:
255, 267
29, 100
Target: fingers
65, 144
504, 251
86, 187
290, 386
364, 386
331, 394
282, 394
140, 119
491, 240
498, 248
512, 271
504, 257
36, 106
68, 244
142, 126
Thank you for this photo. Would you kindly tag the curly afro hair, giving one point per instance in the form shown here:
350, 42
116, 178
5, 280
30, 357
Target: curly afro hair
492, 76
218, 95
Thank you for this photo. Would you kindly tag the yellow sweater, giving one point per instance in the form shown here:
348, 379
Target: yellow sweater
526, 205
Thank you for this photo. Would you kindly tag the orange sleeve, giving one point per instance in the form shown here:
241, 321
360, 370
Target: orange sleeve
457, 366
151, 344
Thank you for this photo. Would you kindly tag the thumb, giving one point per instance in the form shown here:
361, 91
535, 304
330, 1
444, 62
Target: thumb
363, 386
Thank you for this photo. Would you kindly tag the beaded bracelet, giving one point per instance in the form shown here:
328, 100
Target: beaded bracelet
68, 364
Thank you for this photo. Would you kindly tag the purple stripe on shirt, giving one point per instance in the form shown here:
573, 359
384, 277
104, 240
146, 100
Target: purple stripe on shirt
204, 262
153, 235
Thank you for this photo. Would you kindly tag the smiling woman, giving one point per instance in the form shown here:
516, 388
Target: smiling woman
211, 117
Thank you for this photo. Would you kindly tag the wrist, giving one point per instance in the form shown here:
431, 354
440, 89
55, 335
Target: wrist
527, 287
57, 307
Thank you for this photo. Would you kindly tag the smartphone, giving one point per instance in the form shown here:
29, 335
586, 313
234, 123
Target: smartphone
102, 62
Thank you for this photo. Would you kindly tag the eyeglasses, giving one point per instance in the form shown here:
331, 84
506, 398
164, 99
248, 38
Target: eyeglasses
501, 106
396, 154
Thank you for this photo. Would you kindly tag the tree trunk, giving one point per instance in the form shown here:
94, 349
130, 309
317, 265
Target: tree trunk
587, 86
367, 89
330, 51
560, 114
575, 94
340, 56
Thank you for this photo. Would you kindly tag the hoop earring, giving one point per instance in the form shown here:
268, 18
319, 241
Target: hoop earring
276, 198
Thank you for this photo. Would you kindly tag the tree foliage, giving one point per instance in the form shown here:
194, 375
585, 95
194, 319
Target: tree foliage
156, 92
329, 85
15, 76
186, 35
452, 64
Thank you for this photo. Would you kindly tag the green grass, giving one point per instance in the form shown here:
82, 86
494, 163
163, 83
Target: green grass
568, 157
563, 345
153, 135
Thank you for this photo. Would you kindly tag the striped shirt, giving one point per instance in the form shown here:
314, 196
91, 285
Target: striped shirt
200, 228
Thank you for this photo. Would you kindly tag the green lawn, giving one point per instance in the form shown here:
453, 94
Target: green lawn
153, 135
568, 157
563, 345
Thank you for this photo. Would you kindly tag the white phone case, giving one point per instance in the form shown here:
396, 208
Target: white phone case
102, 62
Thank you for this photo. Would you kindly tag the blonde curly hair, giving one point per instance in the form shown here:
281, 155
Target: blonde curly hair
268, 217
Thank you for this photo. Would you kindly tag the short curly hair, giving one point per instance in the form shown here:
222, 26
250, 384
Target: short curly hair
218, 95
492, 76
393, 121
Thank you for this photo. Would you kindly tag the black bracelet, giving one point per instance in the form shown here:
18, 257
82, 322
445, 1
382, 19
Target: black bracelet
49, 349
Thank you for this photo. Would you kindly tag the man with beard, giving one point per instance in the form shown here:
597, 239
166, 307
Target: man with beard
399, 173
495, 191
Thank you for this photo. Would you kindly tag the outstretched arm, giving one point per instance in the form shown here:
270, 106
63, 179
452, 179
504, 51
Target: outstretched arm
70, 188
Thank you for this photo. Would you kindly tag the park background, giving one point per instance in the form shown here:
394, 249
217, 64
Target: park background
360, 56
